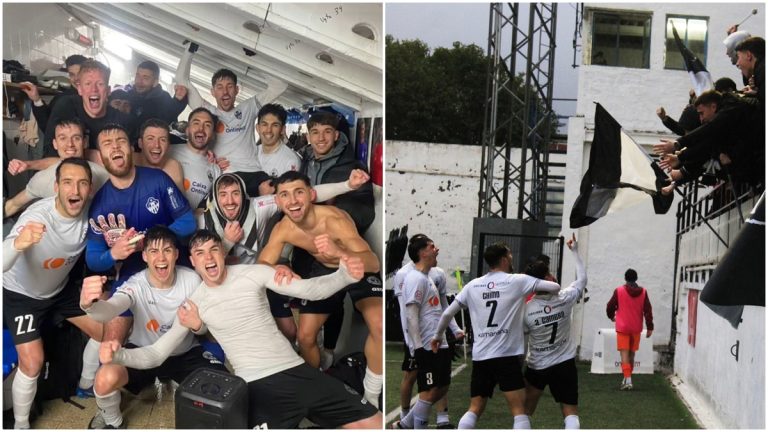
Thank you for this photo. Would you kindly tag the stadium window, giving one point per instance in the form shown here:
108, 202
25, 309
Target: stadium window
693, 33
621, 39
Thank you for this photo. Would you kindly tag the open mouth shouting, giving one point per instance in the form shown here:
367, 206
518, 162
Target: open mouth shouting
75, 202
212, 270
162, 271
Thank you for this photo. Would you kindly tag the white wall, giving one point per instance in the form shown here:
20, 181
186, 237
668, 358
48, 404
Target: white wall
433, 188
735, 394
632, 95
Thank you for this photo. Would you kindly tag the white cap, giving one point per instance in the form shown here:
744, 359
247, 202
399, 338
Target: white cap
732, 41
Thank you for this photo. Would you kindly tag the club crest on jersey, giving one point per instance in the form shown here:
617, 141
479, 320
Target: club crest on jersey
373, 280
153, 205
238, 114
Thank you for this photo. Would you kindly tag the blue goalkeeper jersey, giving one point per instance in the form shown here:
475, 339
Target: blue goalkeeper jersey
152, 199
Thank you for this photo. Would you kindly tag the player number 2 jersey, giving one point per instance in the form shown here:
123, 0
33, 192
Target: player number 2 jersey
495, 303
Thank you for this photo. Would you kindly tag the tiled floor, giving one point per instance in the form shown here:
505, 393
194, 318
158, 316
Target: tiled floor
142, 411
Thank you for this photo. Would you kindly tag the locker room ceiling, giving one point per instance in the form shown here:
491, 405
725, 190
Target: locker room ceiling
325, 52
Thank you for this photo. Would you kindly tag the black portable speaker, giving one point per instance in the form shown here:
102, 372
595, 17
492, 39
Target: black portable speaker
211, 399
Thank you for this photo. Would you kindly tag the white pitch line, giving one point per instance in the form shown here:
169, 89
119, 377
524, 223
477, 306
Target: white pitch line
396, 412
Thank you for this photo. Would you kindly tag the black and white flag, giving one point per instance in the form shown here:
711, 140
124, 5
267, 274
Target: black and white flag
702, 80
620, 174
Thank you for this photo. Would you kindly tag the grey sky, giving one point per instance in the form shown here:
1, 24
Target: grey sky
468, 23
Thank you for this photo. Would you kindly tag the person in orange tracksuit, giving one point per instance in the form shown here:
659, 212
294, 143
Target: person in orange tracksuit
627, 307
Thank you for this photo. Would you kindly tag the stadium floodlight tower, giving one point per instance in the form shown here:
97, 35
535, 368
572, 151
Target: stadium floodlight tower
518, 114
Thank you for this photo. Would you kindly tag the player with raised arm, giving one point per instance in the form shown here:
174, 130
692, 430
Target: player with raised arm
496, 308
38, 255
551, 350
232, 303
153, 295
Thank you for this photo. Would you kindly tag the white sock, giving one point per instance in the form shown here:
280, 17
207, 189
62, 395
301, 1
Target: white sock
629, 380
522, 422
421, 413
404, 412
109, 405
372, 384
442, 417
572, 422
90, 364
23, 391
468, 420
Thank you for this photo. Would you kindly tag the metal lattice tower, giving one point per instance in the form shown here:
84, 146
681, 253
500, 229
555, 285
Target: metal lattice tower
515, 121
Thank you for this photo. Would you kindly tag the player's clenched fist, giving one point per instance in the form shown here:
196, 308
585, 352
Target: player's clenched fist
357, 178
93, 287
326, 246
107, 351
30, 234
354, 266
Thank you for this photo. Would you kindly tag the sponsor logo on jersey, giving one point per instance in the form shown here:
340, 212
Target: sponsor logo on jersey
433, 301
172, 197
491, 285
53, 263
58, 262
153, 326
234, 129
547, 309
153, 205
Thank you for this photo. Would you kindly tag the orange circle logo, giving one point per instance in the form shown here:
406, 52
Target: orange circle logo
186, 184
53, 263
433, 301
153, 326
220, 127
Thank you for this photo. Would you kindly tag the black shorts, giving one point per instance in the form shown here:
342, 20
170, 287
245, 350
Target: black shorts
176, 368
24, 315
562, 378
368, 286
282, 400
409, 361
279, 305
434, 370
507, 372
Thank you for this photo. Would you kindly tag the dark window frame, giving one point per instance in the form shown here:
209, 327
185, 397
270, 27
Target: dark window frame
618, 15
684, 38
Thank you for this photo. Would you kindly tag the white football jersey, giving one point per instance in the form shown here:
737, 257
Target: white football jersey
199, 174
548, 324
154, 309
419, 289
281, 160
496, 306
437, 275
43, 269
